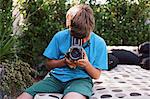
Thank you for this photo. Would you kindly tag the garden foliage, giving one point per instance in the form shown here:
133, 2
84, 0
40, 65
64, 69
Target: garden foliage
43, 18
14, 73
6, 39
119, 22
17, 76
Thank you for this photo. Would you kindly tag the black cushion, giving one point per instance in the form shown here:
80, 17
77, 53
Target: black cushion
144, 48
142, 56
145, 64
126, 57
112, 61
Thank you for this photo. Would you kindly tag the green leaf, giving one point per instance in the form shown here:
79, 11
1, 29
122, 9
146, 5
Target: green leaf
5, 48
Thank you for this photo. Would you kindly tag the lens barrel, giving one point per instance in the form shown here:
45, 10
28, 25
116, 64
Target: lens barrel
75, 53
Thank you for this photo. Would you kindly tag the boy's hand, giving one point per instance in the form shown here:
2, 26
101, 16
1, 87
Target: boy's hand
83, 62
70, 63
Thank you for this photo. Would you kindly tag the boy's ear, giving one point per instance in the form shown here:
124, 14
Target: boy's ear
68, 21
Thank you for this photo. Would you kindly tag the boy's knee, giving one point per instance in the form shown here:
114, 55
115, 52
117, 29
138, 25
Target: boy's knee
25, 96
74, 95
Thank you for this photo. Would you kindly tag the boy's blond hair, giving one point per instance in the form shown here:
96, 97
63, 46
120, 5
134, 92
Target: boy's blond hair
81, 20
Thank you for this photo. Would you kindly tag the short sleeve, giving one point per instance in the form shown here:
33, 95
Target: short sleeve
52, 50
101, 58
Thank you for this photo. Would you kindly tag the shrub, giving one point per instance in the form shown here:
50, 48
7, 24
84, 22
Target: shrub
121, 22
43, 18
6, 39
17, 76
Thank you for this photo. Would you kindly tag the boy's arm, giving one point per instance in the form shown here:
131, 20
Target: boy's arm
91, 70
51, 63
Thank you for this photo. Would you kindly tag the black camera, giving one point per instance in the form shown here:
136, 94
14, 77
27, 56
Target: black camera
76, 50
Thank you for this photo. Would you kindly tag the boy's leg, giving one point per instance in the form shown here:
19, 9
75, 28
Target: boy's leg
78, 89
25, 95
74, 95
48, 85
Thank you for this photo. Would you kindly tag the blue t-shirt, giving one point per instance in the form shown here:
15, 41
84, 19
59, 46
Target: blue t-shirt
95, 49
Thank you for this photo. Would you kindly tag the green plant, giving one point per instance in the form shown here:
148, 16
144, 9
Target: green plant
5, 47
42, 21
6, 40
121, 22
17, 76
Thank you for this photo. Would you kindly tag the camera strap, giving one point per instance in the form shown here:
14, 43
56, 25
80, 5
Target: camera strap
76, 41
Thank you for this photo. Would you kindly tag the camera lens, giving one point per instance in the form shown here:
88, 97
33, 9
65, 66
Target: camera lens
75, 53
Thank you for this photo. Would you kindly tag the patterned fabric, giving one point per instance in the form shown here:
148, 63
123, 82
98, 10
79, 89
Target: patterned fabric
124, 81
